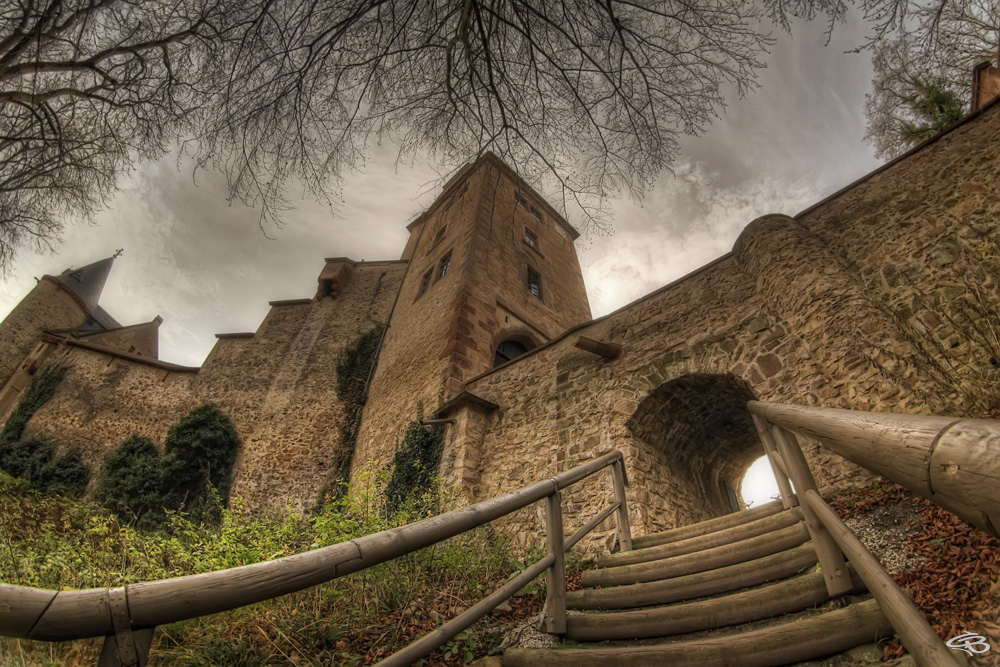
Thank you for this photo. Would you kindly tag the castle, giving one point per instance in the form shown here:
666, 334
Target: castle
882, 297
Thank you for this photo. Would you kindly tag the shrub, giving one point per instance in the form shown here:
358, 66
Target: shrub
193, 474
26, 458
67, 475
204, 443
134, 484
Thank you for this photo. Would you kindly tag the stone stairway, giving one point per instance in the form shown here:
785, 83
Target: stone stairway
740, 590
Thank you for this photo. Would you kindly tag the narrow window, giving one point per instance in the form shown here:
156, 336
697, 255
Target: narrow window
425, 283
533, 281
523, 202
444, 265
439, 235
531, 240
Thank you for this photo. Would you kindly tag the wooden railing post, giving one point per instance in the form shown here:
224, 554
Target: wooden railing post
619, 480
831, 558
554, 613
788, 499
126, 649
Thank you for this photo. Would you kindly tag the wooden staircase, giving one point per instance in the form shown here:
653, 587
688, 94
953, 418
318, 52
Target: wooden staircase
740, 590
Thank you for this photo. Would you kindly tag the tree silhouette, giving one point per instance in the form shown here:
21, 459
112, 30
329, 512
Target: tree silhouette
590, 94
928, 60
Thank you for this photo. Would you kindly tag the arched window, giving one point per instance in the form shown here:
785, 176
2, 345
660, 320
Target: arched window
507, 350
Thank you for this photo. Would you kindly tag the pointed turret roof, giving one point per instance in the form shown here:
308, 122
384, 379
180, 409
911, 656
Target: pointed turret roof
87, 283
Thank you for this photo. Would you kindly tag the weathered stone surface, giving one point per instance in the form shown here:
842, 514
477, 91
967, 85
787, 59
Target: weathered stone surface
883, 297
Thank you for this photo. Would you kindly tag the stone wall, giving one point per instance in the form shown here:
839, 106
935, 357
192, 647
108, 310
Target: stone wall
881, 298
446, 329
47, 306
277, 385
141, 339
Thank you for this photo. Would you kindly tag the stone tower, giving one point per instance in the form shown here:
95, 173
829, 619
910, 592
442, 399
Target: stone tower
492, 274
67, 302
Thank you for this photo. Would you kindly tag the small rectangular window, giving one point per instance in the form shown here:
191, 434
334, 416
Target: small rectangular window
439, 235
444, 265
425, 283
533, 281
523, 202
531, 239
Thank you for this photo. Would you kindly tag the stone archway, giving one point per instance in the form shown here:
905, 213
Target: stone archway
700, 427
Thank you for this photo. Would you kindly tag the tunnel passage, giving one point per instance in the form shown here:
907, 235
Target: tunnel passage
703, 434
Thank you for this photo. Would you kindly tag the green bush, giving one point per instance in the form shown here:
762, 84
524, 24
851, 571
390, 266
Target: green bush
134, 484
204, 444
194, 473
67, 475
26, 458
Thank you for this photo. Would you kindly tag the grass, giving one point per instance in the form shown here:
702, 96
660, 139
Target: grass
63, 543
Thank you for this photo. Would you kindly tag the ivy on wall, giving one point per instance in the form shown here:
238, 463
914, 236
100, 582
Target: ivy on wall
34, 458
194, 473
415, 467
354, 371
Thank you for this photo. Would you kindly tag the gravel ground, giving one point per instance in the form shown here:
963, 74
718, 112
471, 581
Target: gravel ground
884, 531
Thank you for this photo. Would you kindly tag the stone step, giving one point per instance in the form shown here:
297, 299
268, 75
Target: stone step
709, 526
710, 559
784, 597
688, 587
788, 643
717, 538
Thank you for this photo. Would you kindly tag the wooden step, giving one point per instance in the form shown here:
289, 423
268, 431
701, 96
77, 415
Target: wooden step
791, 642
733, 577
783, 597
709, 526
710, 559
718, 538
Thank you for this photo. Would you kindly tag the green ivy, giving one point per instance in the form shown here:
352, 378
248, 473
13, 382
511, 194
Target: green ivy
41, 389
415, 466
34, 458
354, 369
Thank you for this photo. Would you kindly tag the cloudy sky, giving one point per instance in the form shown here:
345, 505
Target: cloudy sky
206, 267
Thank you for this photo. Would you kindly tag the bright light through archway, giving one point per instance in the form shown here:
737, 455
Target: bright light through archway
759, 486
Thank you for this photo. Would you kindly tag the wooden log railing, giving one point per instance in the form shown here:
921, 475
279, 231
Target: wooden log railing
126, 616
954, 463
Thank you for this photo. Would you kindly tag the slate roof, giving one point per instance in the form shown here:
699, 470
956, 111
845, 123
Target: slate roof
87, 283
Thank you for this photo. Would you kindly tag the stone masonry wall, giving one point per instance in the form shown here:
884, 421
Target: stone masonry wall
449, 332
46, 306
278, 386
881, 298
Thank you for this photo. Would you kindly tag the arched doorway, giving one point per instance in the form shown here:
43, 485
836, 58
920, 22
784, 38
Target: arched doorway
703, 435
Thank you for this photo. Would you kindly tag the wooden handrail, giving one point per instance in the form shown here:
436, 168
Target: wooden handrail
954, 463
913, 629
904, 449
48, 615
